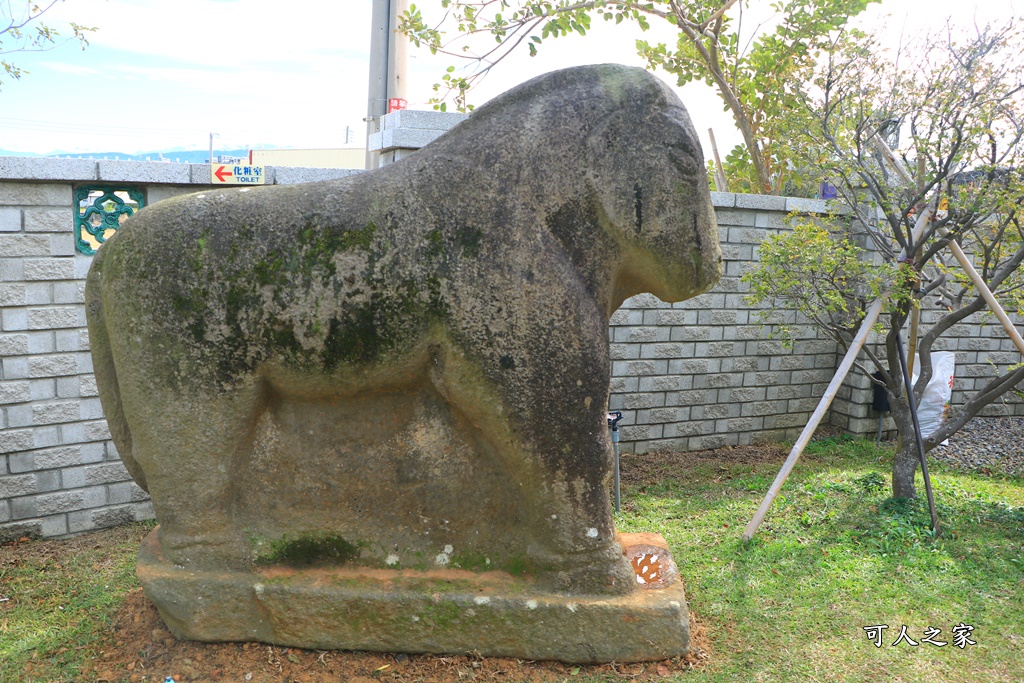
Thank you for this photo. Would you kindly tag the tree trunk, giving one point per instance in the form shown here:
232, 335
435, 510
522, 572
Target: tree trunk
904, 466
709, 55
906, 459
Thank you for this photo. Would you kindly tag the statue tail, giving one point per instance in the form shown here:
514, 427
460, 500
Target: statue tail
106, 372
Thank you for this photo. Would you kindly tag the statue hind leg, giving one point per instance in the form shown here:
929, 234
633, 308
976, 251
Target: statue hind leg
106, 374
189, 444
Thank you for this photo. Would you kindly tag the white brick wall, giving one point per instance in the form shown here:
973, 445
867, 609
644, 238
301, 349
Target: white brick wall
720, 381
698, 374
36, 396
59, 471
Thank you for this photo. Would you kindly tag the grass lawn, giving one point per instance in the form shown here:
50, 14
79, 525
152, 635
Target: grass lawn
835, 555
60, 598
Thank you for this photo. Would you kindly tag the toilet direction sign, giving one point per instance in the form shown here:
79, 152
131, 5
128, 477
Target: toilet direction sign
234, 174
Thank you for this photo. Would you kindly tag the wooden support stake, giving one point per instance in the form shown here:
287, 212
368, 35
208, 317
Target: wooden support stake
805, 436
870, 317
985, 292
958, 253
721, 184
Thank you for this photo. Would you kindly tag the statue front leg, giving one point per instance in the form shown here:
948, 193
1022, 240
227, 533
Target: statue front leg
576, 534
552, 438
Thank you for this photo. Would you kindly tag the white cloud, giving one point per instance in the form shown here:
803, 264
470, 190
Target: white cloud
209, 32
165, 74
68, 68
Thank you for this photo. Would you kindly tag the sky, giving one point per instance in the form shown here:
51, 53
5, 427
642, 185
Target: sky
161, 76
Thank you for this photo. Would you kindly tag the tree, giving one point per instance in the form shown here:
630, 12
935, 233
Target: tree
759, 77
959, 102
21, 30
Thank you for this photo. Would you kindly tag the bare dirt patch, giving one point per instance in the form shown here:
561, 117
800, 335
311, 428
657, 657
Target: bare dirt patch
650, 468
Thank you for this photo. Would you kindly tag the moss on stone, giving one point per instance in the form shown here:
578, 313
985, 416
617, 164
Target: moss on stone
435, 242
517, 565
307, 550
469, 240
474, 562
442, 614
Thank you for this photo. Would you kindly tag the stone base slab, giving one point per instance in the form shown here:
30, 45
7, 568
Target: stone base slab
438, 611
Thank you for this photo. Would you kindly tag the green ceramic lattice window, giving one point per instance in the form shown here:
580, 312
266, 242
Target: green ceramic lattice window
100, 210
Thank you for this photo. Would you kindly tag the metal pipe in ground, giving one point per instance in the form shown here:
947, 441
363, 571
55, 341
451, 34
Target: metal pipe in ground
613, 423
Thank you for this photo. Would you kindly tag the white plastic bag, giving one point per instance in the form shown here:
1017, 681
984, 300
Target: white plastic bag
934, 404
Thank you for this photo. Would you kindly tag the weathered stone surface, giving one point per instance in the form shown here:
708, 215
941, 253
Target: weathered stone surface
406, 369
440, 611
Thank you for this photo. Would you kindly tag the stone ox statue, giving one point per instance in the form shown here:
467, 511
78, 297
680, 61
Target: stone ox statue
402, 377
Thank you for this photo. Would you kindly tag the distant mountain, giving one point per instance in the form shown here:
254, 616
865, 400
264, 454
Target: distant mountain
194, 156
8, 153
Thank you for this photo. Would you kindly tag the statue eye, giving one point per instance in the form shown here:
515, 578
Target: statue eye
683, 150
682, 160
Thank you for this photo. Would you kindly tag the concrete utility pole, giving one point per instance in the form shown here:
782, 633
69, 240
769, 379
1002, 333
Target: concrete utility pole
398, 52
387, 66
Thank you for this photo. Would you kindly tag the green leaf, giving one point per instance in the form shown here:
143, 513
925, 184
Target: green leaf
764, 84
